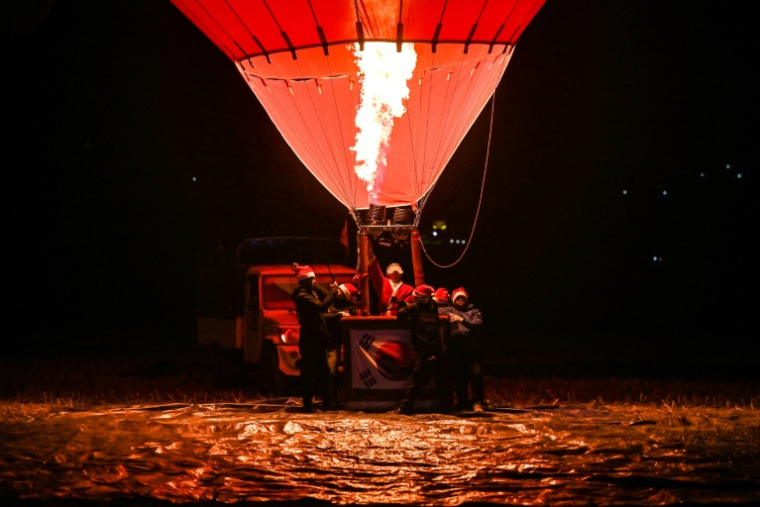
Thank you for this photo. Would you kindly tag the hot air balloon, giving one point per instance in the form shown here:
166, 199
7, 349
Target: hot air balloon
374, 96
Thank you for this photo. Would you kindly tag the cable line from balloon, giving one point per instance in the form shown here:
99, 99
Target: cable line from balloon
480, 199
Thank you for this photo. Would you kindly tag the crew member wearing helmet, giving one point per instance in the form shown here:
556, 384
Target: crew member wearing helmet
311, 302
390, 289
428, 343
465, 350
441, 298
344, 304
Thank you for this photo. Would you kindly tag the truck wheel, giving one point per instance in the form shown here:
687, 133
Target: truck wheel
272, 377
268, 366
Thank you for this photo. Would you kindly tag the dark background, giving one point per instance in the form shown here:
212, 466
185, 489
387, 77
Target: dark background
112, 108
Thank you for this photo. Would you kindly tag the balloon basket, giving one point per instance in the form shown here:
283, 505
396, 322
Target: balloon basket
379, 362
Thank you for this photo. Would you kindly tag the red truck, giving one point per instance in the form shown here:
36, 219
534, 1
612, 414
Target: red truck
251, 309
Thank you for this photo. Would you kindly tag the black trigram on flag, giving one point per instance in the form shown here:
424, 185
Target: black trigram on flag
367, 378
366, 341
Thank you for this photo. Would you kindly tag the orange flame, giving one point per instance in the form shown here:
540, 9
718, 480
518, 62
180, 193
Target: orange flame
383, 74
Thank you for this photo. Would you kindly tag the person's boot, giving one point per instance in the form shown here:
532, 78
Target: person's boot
331, 399
478, 389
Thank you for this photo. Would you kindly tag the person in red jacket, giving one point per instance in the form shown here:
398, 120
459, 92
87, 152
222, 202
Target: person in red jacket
390, 289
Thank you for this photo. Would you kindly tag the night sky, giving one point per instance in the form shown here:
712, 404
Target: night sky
623, 133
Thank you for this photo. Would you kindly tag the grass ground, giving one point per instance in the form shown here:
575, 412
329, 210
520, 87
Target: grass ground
33, 383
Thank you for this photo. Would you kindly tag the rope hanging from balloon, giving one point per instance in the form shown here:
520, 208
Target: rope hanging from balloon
480, 199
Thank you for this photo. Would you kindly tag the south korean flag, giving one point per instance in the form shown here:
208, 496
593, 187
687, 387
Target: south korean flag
381, 359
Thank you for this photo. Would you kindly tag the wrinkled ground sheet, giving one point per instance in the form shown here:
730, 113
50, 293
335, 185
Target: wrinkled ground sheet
270, 451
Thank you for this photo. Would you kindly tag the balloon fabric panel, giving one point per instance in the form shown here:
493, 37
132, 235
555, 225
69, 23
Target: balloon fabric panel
301, 59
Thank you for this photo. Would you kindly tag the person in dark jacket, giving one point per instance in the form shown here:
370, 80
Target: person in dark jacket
465, 350
422, 316
311, 302
344, 304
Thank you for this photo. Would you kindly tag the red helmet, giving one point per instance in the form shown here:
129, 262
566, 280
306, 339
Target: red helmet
423, 292
441, 295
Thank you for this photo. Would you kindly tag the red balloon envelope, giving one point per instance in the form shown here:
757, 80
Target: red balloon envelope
310, 63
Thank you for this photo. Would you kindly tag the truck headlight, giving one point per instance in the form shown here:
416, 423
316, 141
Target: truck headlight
290, 336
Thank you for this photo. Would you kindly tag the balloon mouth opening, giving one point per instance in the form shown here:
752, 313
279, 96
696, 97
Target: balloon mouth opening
316, 112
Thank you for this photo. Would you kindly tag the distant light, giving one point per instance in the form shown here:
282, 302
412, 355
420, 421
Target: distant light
451, 241
625, 192
728, 166
701, 175
463, 242
457, 242
435, 233
664, 192
655, 258
739, 176
195, 179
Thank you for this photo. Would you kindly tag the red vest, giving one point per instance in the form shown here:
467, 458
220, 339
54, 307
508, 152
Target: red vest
384, 289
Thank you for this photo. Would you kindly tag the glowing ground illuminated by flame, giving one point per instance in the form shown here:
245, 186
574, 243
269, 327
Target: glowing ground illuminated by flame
383, 75
269, 452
